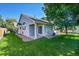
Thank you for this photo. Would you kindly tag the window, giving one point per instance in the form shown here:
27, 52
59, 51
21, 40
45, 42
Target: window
24, 23
31, 30
40, 29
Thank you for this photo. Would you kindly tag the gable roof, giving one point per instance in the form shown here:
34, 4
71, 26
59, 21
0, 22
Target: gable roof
34, 19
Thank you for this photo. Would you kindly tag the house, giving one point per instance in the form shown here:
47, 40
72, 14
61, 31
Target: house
14, 24
2, 32
33, 28
76, 30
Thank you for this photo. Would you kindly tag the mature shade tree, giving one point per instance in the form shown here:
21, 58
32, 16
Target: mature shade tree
62, 15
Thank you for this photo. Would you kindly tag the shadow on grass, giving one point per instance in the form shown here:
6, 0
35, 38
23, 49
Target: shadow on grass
60, 45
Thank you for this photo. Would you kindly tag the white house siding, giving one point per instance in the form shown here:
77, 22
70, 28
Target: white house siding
22, 31
46, 30
34, 31
31, 30
27, 21
43, 30
19, 29
37, 34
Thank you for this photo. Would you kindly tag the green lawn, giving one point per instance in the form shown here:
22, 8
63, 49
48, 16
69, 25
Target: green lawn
59, 45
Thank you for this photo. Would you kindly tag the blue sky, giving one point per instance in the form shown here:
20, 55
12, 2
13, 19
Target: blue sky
12, 10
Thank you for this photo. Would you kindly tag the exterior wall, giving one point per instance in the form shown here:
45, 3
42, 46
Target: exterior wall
23, 31
27, 22
35, 34
48, 30
32, 30
40, 35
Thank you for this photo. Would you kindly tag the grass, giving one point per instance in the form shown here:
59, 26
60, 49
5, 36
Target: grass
67, 45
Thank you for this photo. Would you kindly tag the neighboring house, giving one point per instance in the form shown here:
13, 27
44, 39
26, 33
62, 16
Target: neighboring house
33, 28
2, 32
76, 30
14, 24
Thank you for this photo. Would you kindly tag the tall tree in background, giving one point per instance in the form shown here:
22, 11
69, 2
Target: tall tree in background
10, 20
8, 23
62, 15
44, 18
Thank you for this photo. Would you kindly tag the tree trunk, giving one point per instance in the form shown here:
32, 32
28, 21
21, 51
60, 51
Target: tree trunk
66, 31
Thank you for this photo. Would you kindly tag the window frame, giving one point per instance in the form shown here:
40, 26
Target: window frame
40, 31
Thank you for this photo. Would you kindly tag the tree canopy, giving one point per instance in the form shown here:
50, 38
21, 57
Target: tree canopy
9, 24
62, 15
1, 21
10, 20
